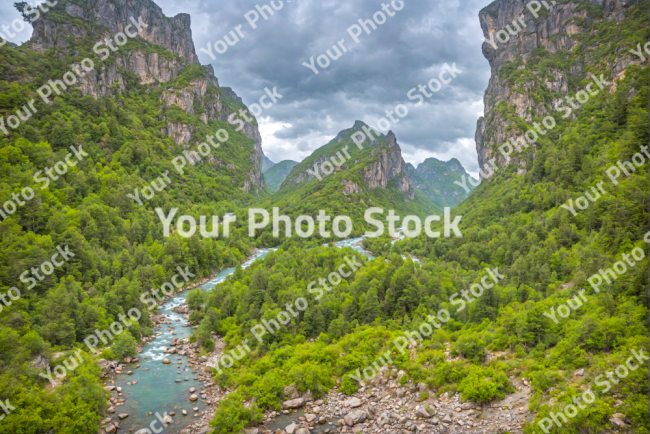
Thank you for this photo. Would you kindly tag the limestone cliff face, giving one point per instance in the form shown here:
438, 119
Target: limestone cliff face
555, 30
380, 166
388, 164
98, 19
112, 16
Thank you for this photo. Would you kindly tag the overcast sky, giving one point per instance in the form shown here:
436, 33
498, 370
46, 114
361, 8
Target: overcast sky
373, 76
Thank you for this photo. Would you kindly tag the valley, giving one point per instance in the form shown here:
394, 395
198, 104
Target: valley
369, 287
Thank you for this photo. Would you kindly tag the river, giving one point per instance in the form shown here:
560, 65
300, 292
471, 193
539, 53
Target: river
156, 390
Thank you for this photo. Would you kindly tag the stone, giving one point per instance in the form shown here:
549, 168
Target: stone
122, 415
184, 412
166, 361
353, 402
302, 431
420, 411
110, 428
310, 417
291, 428
446, 419
293, 403
435, 421
142, 431
193, 397
251, 431
355, 417
383, 419
618, 422
110, 410
192, 389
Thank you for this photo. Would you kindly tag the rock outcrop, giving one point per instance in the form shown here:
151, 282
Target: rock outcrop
146, 60
557, 29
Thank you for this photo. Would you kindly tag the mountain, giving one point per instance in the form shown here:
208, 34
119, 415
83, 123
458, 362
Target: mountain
128, 137
266, 163
277, 173
442, 182
508, 322
161, 61
345, 179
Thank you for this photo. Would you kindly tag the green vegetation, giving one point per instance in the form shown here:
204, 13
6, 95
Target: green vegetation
437, 180
275, 175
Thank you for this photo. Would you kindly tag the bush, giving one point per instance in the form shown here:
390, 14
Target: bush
349, 385
209, 345
424, 394
124, 346
484, 385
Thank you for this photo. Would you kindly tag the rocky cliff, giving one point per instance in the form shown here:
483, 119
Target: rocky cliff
162, 51
537, 57
378, 162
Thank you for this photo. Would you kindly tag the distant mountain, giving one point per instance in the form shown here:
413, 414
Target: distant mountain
345, 179
275, 174
441, 181
267, 164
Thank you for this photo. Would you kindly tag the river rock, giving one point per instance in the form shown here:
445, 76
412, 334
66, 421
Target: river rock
293, 403
193, 397
310, 417
251, 431
192, 389
166, 361
168, 419
110, 428
122, 415
184, 412
354, 402
355, 417
291, 428
422, 412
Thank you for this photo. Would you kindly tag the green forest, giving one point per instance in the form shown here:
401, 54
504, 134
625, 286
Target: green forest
511, 222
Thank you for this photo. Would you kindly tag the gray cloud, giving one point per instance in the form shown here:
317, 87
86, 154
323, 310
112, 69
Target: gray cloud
373, 76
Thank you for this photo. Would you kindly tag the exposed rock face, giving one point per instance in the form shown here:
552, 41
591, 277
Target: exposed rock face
389, 164
555, 30
173, 34
106, 18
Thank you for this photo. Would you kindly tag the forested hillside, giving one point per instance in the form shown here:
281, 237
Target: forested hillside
97, 208
511, 337
528, 244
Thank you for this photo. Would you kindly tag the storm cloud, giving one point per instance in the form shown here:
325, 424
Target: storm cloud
374, 75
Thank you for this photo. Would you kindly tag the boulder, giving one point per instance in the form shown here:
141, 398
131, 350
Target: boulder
353, 402
355, 417
291, 392
310, 417
420, 411
293, 403
467, 405
110, 428
291, 428
302, 431
446, 419
122, 415
383, 419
